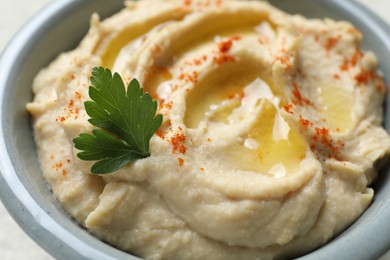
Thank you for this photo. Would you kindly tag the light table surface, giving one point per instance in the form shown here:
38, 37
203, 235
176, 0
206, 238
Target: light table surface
14, 243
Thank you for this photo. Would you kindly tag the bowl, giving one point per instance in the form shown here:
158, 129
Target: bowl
60, 27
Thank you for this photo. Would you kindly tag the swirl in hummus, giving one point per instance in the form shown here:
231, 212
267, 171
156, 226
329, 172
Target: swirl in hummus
271, 134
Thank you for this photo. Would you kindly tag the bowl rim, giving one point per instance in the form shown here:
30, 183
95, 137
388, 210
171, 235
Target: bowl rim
17, 199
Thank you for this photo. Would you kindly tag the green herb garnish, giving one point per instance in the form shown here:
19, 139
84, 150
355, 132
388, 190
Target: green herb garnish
127, 122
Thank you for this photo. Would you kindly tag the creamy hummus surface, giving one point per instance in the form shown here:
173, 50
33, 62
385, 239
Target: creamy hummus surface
271, 134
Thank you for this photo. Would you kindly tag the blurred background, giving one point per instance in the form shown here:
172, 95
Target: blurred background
14, 243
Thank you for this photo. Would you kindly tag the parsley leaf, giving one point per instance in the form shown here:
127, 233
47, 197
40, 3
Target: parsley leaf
127, 122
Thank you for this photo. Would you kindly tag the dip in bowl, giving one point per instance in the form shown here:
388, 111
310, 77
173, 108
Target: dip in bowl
42, 205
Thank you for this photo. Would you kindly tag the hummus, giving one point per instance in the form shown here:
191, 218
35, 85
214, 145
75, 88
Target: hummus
271, 134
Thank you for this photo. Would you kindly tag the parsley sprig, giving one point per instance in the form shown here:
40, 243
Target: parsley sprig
127, 121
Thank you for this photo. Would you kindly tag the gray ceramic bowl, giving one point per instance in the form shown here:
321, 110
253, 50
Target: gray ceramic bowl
59, 27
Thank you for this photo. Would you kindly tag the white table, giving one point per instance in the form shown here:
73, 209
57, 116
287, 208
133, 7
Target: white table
14, 243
